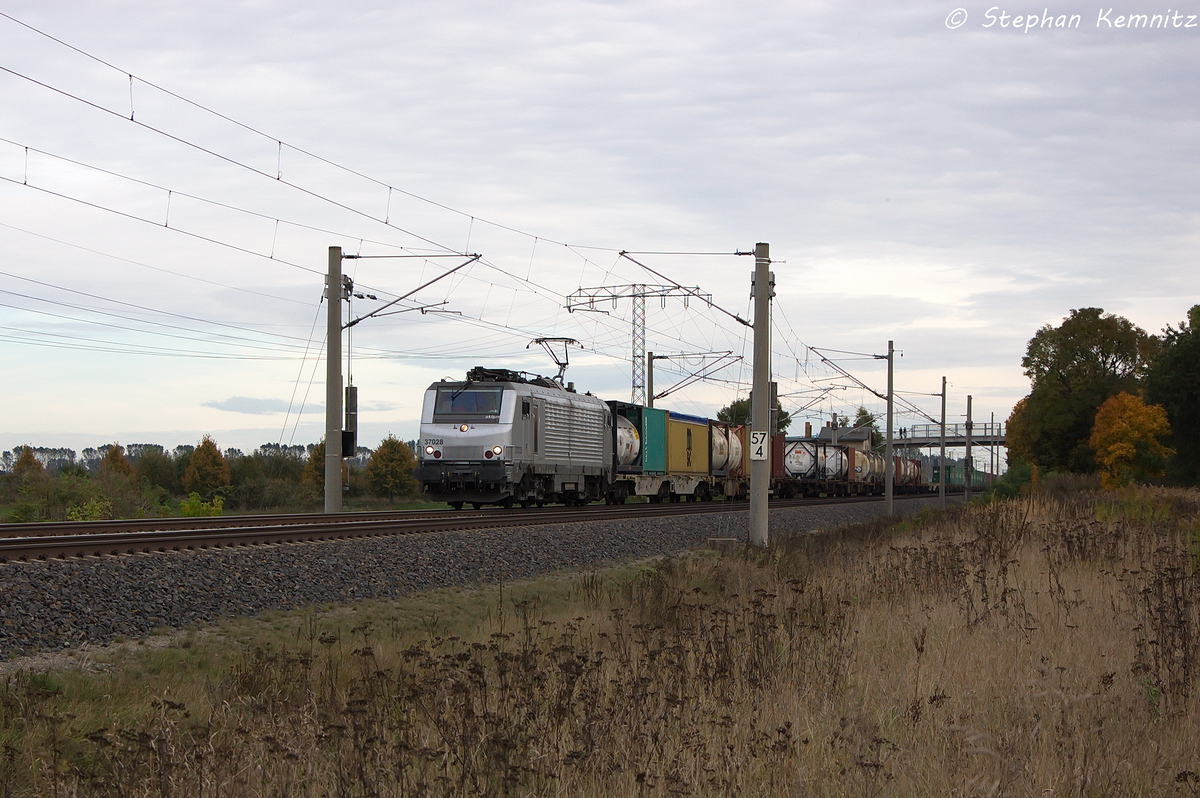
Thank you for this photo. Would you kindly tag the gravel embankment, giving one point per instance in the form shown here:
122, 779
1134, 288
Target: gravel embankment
59, 604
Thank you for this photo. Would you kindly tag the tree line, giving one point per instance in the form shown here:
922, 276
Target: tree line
1108, 397
147, 480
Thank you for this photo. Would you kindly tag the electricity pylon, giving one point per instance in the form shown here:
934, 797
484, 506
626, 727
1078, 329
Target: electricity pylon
586, 299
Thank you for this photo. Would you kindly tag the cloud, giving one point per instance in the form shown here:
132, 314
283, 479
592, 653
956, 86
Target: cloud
952, 190
249, 405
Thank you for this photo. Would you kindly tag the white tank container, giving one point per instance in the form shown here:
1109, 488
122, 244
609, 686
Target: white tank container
799, 459
836, 462
720, 448
629, 442
735, 451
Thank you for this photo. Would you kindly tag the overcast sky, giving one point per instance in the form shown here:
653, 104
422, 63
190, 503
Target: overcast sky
923, 172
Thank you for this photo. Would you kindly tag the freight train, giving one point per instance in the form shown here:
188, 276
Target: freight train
504, 437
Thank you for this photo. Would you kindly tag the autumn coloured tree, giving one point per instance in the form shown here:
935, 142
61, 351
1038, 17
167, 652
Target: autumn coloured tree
1074, 368
1126, 439
390, 470
314, 468
207, 470
27, 465
115, 462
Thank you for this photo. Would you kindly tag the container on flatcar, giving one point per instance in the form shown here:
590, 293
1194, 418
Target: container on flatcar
687, 444
865, 466
721, 452
778, 468
736, 482
654, 440
804, 459
627, 437
739, 458
837, 463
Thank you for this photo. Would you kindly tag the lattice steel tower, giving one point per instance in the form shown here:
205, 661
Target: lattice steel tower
586, 298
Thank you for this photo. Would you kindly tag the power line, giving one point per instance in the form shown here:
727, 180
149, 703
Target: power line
148, 266
92, 345
136, 306
153, 222
278, 141
216, 203
225, 158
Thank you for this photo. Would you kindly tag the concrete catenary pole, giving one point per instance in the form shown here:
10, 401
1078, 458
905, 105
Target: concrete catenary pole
889, 467
760, 410
967, 463
942, 455
333, 385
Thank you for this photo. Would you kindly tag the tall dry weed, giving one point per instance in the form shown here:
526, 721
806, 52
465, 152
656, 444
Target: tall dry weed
1043, 646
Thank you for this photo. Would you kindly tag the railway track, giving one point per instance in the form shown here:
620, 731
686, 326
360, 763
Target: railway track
61, 540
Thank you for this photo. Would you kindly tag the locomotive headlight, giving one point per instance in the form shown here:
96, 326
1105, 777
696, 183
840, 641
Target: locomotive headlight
428, 450
497, 450
463, 427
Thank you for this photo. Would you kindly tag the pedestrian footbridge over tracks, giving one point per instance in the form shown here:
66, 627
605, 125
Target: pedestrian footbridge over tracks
923, 435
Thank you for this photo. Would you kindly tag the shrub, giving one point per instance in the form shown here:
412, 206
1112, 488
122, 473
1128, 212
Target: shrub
194, 507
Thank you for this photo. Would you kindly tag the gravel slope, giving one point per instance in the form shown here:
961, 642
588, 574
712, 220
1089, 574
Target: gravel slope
51, 605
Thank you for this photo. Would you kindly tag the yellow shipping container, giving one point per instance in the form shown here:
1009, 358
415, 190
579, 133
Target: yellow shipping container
687, 444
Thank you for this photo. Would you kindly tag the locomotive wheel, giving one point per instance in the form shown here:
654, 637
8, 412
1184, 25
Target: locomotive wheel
507, 502
656, 499
456, 505
477, 505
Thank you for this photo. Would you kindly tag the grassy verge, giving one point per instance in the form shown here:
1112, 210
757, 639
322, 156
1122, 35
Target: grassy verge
1041, 646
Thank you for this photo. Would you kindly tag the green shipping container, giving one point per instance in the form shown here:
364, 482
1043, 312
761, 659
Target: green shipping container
654, 441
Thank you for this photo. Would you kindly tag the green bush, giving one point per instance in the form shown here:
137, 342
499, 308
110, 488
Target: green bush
194, 507
1013, 481
94, 509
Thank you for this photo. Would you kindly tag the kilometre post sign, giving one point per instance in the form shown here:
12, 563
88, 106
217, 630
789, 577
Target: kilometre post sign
758, 446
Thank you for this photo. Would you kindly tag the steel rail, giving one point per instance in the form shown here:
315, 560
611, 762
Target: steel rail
107, 542
45, 528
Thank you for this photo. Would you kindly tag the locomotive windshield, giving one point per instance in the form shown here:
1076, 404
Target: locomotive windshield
456, 403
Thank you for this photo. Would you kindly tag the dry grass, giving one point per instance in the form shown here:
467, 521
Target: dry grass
1046, 646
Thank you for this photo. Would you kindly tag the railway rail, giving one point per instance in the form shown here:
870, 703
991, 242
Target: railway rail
60, 540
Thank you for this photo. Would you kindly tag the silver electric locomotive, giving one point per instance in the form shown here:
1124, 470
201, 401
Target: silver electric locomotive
501, 437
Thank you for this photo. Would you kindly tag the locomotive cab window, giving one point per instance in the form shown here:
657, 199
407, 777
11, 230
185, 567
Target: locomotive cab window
474, 403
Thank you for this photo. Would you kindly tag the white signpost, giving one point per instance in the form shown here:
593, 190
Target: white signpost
758, 446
